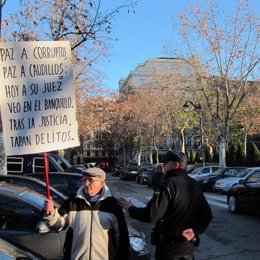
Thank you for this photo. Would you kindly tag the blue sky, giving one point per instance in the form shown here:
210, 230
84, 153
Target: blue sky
140, 35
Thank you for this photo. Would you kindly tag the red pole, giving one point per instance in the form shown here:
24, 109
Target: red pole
46, 168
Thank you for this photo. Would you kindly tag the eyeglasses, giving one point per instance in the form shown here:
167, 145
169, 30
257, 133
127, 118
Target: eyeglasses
90, 180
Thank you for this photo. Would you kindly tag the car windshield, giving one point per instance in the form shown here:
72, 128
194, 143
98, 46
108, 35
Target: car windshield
196, 170
55, 165
244, 173
219, 171
233, 172
61, 161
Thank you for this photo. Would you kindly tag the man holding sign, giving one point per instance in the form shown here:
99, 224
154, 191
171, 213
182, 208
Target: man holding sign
95, 223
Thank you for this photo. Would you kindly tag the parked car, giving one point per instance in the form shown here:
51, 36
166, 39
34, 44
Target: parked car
129, 173
10, 251
64, 163
245, 196
21, 222
79, 167
223, 185
30, 163
117, 170
191, 167
64, 182
150, 177
143, 174
207, 182
203, 171
35, 184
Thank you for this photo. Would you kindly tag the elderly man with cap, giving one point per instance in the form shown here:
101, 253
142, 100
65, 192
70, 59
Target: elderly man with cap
179, 209
95, 223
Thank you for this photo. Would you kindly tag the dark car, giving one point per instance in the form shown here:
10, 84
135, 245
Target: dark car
245, 196
30, 163
35, 184
117, 170
64, 163
64, 182
143, 174
207, 182
156, 168
10, 250
21, 222
129, 173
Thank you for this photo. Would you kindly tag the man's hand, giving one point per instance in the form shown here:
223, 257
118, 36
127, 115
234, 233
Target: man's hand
48, 206
188, 234
124, 203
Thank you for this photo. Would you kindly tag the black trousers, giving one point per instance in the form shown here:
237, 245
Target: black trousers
181, 251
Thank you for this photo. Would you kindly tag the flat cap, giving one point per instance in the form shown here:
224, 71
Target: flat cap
95, 172
174, 157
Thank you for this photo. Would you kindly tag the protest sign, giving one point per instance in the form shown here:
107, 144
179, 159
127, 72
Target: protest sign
37, 98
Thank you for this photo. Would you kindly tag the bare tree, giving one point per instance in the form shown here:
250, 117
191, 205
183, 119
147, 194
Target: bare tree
224, 50
86, 24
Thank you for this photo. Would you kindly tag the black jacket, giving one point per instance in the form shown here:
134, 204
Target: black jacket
180, 203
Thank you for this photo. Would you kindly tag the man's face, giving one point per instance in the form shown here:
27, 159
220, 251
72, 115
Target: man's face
170, 166
92, 185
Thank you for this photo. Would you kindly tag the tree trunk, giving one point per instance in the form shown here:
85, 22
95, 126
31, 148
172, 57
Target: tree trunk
139, 156
182, 140
222, 153
151, 156
245, 142
157, 154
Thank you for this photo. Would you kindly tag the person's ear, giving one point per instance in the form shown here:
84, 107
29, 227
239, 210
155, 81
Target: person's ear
176, 165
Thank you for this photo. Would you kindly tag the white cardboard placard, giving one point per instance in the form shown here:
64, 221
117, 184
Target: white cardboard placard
38, 105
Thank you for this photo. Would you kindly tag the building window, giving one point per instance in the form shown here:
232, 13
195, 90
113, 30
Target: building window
88, 154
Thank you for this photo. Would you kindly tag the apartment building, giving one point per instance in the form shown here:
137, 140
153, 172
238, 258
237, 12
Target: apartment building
148, 72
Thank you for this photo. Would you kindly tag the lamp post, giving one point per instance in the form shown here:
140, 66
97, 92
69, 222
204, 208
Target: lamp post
197, 107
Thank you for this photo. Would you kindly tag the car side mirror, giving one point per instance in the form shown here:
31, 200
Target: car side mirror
241, 182
42, 228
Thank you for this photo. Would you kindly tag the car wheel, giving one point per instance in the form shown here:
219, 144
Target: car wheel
233, 204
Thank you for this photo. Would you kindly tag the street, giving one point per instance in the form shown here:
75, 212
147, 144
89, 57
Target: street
228, 237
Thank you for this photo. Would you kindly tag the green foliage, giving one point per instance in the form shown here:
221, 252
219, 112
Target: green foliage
253, 155
240, 156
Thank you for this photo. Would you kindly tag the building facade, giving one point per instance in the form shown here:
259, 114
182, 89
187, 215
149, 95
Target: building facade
148, 72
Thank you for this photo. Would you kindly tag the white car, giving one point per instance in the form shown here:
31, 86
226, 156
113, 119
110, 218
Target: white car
223, 185
203, 171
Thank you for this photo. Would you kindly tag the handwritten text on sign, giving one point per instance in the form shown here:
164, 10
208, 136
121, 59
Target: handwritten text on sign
37, 97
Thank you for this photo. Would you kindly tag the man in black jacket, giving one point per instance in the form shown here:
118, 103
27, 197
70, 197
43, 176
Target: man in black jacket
179, 208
